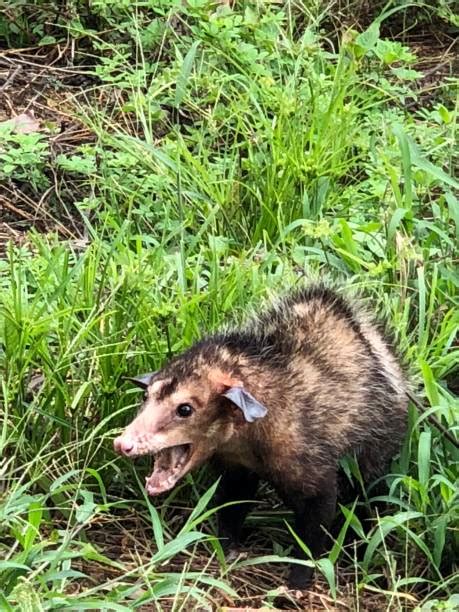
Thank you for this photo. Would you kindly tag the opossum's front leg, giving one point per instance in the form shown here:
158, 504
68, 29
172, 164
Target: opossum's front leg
237, 483
312, 514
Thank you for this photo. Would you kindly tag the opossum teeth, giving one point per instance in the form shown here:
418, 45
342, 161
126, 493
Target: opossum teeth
169, 463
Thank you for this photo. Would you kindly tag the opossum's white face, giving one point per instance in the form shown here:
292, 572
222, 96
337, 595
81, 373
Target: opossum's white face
183, 423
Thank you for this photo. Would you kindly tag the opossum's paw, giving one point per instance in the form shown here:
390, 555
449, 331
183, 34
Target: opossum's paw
300, 577
232, 550
228, 542
287, 599
234, 553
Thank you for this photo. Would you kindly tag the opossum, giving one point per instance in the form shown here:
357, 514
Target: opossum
283, 398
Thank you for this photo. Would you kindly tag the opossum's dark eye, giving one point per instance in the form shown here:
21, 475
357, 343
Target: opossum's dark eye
145, 396
184, 410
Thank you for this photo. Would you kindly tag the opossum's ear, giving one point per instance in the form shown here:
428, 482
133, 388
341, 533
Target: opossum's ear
251, 408
142, 381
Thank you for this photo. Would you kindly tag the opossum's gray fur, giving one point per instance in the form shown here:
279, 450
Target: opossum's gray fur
328, 383
327, 374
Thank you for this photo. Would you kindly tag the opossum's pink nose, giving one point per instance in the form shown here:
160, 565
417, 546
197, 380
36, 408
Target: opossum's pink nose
123, 445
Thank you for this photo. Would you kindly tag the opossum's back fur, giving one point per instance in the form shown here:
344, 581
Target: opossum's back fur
329, 378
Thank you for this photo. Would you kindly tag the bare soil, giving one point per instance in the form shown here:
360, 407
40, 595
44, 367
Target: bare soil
128, 541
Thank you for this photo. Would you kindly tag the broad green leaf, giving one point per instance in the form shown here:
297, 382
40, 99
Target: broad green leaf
422, 291
177, 545
430, 383
63, 478
100, 482
13, 565
420, 162
157, 526
93, 604
326, 567
385, 526
262, 560
424, 457
195, 517
453, 209
395, 221
63, 574
182, 79
439, 526
34, 520
368, 39
87, 509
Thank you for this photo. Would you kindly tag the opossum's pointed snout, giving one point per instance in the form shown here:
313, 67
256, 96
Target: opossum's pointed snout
124, 445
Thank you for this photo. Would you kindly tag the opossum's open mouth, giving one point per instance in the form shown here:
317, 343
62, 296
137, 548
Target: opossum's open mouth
170, 465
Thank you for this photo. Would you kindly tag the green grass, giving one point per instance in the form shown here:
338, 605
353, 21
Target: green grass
234, 153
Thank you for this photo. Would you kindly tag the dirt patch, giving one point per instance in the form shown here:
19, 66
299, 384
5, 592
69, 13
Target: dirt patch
438, 61
128, 541
37, 83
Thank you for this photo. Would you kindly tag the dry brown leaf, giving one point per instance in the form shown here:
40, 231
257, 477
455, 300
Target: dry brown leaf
25, 123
